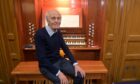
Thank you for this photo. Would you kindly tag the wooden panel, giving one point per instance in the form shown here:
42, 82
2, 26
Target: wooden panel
86, 55
9, 47
133, 48
4, 79
110, 16
9, 31
78, 53
134, 38
1, 68
92, 10
134, 18
131, 41
109, 47
107, 64
122, 23
132, 56
131, 70
113, 36
111, 12
110, 37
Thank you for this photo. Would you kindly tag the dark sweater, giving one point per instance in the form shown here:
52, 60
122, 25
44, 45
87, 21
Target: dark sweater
47, 49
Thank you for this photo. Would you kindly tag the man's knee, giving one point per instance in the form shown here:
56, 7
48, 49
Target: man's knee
57, 81
47, 74
78, 79
79, 75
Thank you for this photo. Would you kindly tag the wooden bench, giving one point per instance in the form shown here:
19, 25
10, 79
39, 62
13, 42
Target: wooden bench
29, 71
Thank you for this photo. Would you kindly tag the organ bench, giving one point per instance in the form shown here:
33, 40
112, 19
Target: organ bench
29, 71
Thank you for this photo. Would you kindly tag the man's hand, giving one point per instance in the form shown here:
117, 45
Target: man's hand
63, 78
79, 69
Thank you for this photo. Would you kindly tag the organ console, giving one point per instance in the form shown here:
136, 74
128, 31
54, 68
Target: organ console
75, 41
85, 40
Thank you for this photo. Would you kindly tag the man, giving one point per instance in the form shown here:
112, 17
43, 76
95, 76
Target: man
48, 41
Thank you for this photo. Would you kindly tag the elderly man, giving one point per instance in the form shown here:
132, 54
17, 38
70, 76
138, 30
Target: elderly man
49, 41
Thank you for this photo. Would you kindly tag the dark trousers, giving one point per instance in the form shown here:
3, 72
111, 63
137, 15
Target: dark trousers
67, 68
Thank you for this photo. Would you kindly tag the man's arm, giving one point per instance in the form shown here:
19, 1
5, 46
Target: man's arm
66, 49
70, 56
41, 53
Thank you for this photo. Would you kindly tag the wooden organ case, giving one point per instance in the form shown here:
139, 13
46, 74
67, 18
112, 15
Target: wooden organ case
85, 41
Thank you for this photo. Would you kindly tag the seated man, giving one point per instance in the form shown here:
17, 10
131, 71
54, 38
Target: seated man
48, 41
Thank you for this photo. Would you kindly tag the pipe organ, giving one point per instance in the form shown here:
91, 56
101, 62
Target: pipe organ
83, 28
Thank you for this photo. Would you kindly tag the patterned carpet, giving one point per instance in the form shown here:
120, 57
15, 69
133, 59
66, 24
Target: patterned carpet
130, 82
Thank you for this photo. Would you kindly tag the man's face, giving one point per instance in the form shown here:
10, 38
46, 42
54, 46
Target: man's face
54, 20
